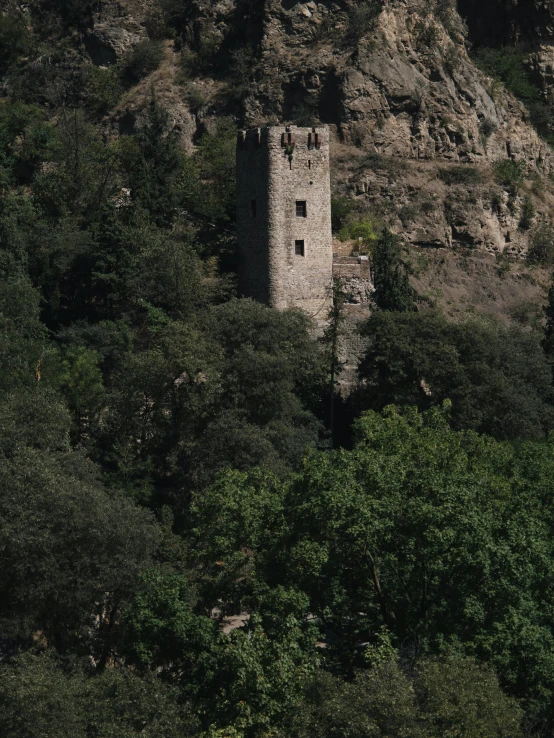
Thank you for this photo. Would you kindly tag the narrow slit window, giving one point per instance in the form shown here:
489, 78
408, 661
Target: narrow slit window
301, 209
253, 208
299, 248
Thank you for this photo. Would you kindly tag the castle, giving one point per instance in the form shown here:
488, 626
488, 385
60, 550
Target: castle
285, 254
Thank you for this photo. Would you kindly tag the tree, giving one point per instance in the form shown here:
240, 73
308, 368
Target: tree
442, 536
392, 285
44, 696
496, 378
438, 697
71, 551
23, 338
548, 338
153, 164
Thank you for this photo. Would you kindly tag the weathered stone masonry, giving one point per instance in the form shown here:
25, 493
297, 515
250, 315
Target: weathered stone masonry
285, 254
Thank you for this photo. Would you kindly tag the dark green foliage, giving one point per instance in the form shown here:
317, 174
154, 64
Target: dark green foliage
137, 399
14, 38
142, 60
80, 177
497, 379
23, 338
541, 245
437, 699
390, 279
420, 528
44, 697
509, 173
162, 629
548, 337
102, 89
362, 17
241, 388
527, 214
511, 67
242, 69
153, 163
71, 553
460, 175
203, 58
487, 127
341, 207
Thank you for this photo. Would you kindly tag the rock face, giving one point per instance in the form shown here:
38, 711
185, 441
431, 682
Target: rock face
116, 28
402, 98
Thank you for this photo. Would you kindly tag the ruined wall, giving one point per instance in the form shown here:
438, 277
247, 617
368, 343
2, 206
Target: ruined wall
284, 251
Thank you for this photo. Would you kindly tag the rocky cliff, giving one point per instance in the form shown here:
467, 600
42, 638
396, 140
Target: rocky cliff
402, 95
421, 136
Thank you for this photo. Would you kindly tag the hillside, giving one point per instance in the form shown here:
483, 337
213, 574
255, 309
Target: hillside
418, 129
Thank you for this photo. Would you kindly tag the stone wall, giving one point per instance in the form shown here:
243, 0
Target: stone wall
355, 278
278, 168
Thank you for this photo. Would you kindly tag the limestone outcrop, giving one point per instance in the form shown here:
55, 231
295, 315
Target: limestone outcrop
401, 95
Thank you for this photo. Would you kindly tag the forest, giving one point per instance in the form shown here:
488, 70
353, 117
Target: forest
187, 548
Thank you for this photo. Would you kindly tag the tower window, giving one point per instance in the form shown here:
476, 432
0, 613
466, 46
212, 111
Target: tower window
253, 208
299, 248
301, 208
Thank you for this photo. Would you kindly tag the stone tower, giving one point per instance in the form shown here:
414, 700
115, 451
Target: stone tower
285, 255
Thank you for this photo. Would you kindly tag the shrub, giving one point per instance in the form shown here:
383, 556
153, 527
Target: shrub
460, 175
305, 113
508, 65
362, 18
427, 34
102, 89
203, 60
408, 213
527, 214
195, 99
487, 127
141, 61
364, 229
541, 245
496, 201
341, 207
508, 173
388, 164
14, 38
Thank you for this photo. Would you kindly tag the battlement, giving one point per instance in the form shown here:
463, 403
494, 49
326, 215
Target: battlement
285, 254
310, 138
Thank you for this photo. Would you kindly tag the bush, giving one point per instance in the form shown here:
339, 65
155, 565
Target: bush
102, 89
487, 127
362, 18
527, 214
389, 164
141, 61
203, 60
304, 113
408, 214
14, 38
364, 229
541, 245
508, 65
508, 173
341, 207
460, 175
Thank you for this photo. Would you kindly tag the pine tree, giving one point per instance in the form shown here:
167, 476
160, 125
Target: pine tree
548, 340
153, 176
392, 286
